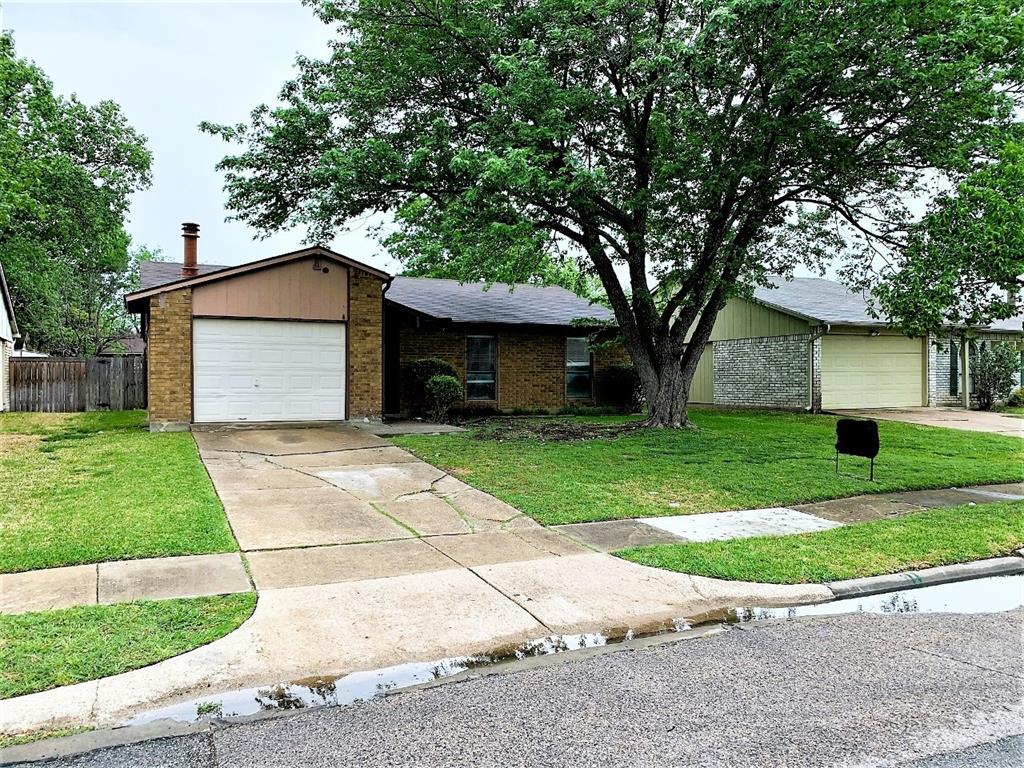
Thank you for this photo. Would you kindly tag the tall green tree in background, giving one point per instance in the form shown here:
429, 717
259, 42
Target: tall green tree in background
67, 171
963, 263
704, 143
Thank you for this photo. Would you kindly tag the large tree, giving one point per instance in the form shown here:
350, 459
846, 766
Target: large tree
67, 171
696, 144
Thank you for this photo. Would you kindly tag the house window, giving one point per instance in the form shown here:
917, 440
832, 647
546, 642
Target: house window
481, 368
579, 370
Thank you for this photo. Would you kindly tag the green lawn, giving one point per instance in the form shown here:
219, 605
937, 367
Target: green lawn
53, 648
919, 540
734, 460
89, 487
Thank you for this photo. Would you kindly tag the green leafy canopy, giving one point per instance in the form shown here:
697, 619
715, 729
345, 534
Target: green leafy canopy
67, 171
705, 143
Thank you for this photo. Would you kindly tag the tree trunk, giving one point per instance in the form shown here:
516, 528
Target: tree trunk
666, 401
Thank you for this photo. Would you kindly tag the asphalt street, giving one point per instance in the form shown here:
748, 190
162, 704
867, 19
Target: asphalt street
928, 691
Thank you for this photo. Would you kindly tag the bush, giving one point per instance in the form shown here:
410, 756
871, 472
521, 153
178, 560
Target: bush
416, 375
995, 369
442, 392
1016, 398
619, 386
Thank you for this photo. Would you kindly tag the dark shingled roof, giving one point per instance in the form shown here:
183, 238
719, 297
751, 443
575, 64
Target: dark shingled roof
154, 273
826, 301
478, 303
447, 299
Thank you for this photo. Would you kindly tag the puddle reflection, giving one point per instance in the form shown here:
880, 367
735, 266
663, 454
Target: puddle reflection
361, 686
1001, 593
989, 595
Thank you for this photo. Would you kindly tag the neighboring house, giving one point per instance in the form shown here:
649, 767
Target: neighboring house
133, 344
313, 335
811, 343
8, 336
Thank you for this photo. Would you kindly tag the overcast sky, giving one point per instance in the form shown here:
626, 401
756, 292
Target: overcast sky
170, 65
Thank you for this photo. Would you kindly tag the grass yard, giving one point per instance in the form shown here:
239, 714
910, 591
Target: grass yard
733, 460
919, 540
54, 648
88, 487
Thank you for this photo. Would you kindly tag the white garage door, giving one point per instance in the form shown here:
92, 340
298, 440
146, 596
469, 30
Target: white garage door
871, 372
268, 370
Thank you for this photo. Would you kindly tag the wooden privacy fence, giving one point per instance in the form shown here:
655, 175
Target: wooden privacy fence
113, 383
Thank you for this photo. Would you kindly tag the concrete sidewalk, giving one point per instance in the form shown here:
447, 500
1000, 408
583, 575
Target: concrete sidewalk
122, 581
614, 535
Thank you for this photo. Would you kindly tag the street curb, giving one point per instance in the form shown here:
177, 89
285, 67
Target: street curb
872, 585
95, 740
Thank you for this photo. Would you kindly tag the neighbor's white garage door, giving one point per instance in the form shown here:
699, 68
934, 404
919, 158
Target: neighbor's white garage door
268, 370
871, 372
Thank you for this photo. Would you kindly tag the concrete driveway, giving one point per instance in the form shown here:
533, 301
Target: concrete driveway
953, 418
363, 557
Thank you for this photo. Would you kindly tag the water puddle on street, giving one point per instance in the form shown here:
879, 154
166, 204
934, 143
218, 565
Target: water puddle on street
1001, 593
361, 686
989, 595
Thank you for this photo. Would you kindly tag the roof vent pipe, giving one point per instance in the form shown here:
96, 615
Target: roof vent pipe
190, 265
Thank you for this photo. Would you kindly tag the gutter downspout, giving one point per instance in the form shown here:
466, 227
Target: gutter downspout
965, 372
384, 346
816, 333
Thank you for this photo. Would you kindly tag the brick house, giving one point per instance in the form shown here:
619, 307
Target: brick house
315, 336
809, 343
8, 337
514, 349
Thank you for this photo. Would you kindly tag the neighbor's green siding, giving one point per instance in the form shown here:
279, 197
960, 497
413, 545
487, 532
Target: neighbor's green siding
702, 389
742, 319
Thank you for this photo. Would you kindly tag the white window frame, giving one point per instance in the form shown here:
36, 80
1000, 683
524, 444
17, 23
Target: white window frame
494, 347
569, 368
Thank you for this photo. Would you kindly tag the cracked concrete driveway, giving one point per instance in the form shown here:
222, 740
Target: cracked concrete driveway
363, 557
311, 488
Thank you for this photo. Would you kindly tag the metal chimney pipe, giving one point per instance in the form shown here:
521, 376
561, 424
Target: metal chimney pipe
190, 265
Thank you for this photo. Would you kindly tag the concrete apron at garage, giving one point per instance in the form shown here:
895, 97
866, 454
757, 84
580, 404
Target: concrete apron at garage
951, 418
366, 557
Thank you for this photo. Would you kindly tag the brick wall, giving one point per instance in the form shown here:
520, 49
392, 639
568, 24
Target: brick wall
765, 372
169, 358
365, 345
5, 375
531, 370
531, 363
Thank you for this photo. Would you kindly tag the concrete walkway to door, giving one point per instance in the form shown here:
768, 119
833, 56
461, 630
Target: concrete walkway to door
365, 557
953, 418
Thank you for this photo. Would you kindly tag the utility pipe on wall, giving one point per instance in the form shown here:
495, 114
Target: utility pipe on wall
816, 333
965, 373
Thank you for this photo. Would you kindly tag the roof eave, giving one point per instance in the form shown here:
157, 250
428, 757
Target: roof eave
787, 310
252, 266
